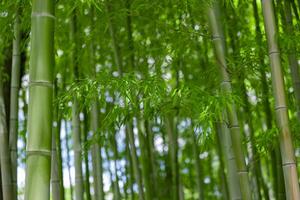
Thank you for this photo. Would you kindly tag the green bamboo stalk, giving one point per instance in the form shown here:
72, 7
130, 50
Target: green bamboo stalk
223, 134
135, 161
219, 44
59, 160
173, 152
286, 145
14, 94
77, 151
151, 151
222, 174
75, 116
129, 165
198, 168
1, 192
146, 164
5, 160
55, 180
293, 63
68, 159
275, 154
85, 130
56, 165
117, 193
113, 182
112, 31
96, 148
96, 156
38, 162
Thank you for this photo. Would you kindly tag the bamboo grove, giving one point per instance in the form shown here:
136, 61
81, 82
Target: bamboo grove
149, 99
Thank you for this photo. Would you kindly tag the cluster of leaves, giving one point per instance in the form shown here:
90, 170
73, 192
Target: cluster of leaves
129, 96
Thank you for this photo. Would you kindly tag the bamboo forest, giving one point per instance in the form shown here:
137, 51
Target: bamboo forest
149, 99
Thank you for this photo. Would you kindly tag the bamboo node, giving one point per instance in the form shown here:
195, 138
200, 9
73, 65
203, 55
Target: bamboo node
280, 107
42, 14
41, 83
288, 164
274, 52
242, 172
216, 37
233, 126
41, 152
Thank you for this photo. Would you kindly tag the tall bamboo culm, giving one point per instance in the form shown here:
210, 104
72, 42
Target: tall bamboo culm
75, 115
219, 44
14, 91
6, 172
38, 150
286, 146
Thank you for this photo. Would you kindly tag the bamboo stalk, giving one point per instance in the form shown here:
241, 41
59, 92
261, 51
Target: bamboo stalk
38, 162
14, 94
96, 148
286, 145
293, 63
97, 157
198, 168
223, 134
75, 114
55, 181
85, 130
135, 162
68, 159
5, 160
277, 174
219, 44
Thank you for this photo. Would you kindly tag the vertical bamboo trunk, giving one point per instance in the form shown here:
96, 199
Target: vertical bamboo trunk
14, 94
144, 160
55, 181
198, 168
113, 182
151, 151
59, 161
286, 145
96, 148
1, 192
68, 159
275, 154
219, 44
173, 149
75, 116
6, 171
130, 168
220, 150
96, 156
232, 176
117, 193
112, 31
135, 161
38, 162
56, 165
293, 63
86, 158
77, 151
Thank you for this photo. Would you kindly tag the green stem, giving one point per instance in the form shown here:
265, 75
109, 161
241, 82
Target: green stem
219, 44
38, 167
286, 145
14, 94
